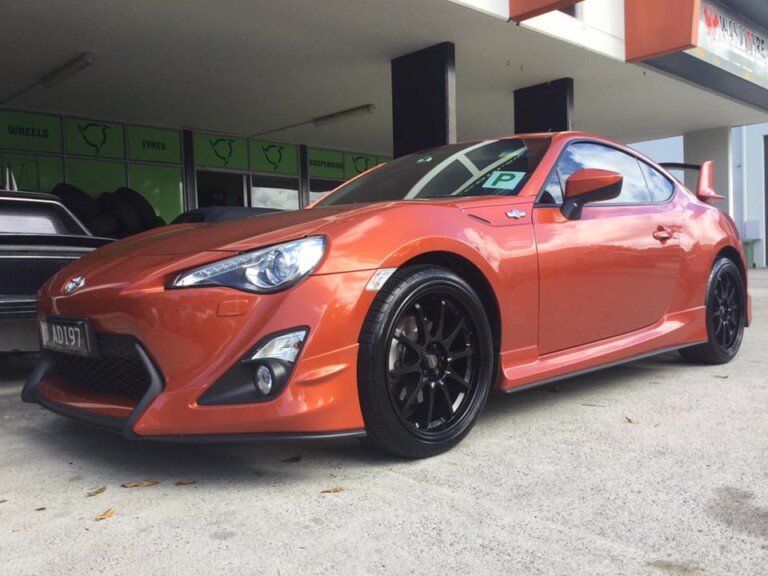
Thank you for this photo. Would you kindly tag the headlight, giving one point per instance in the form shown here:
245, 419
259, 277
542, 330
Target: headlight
267, 270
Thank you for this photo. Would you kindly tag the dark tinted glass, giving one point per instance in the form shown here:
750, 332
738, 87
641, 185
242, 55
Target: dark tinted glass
489, 168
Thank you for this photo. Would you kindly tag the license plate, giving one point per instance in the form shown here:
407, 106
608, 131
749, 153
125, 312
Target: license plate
71, 335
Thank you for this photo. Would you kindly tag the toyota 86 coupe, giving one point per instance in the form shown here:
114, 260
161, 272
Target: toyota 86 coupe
392, 306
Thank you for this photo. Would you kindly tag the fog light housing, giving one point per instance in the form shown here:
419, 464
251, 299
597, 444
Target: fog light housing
260, 375
285, 346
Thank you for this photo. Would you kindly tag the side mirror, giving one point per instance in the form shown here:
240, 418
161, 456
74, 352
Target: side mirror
589, 185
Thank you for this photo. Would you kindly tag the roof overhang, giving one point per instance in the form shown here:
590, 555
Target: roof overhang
707, 42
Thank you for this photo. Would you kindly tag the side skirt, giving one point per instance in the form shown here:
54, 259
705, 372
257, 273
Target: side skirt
596, 368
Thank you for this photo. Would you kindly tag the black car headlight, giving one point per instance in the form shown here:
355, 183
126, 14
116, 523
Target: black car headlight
267, 270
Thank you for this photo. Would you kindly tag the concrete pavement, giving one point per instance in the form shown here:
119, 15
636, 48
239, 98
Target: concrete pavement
653, 468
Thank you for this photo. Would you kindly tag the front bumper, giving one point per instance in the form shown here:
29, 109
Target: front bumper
188, 338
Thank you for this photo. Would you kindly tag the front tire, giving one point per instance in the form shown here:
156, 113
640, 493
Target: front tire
726, 316
425, 363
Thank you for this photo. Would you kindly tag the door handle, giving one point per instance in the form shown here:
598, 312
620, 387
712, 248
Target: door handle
662, 234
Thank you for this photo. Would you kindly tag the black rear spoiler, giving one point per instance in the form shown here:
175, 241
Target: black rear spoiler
705, 190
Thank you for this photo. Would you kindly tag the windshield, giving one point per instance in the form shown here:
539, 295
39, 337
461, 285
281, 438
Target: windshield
488, 168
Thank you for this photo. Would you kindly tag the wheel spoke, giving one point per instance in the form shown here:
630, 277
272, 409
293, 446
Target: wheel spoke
405, 370
447, 396
441, 321
456, 331
430, 407
407, 342
456, 378
419, 387
460, 355
421, 323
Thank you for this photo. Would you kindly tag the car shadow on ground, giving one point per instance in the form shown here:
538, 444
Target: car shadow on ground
90, 450
581, 388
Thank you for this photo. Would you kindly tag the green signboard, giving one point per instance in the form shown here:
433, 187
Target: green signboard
383, 160
95, 176
216, 151
94, 138
274, 157
326, 164
355, 164
154, 145
31, 132
162, 186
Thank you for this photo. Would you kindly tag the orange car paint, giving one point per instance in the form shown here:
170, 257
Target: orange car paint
621, 288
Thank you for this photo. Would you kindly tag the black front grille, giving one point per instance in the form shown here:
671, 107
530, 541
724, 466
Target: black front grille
118, 371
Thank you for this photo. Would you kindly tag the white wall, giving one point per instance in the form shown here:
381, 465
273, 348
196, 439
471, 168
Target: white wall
749, 173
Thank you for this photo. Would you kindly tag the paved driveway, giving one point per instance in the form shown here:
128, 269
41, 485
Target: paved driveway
652, 468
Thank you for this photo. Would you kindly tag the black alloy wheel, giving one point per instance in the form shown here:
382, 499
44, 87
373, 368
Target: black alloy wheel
425, 362
725, 316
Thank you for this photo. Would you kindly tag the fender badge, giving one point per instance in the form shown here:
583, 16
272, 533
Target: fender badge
516, 214
74, 284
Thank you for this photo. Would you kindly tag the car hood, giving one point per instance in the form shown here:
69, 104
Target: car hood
232, 236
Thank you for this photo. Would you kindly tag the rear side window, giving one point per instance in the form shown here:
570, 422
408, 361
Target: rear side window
660, 187
23, 217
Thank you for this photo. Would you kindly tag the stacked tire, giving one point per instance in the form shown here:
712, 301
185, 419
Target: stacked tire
117, 214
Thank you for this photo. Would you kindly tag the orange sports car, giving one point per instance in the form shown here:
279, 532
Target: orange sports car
392, 306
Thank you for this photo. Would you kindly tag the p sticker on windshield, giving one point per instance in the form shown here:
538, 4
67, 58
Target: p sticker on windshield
504, 180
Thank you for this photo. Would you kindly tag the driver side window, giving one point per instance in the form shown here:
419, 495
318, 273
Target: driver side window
591, 155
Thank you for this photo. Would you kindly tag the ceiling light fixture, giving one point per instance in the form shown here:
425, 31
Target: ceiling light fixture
66, 70
320, 121
56, 76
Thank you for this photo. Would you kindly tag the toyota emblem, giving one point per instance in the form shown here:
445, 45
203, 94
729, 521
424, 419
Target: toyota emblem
74, 284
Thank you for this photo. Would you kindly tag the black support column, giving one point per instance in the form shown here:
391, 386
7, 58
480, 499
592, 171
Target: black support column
424, 99
545, 107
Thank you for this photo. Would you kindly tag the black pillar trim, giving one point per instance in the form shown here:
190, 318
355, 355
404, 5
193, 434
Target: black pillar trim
190, 175
546, 107
424, 99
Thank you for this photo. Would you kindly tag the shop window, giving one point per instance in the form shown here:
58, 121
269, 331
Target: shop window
319, 188
274, 192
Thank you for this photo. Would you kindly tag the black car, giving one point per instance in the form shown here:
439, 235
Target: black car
38, 237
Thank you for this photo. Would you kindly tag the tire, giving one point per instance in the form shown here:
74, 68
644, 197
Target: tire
104, 225
126, 216
158, 222
425, 362
80, 203
140, 204
725, 316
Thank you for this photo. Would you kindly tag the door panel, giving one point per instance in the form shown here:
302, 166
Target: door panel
609, 273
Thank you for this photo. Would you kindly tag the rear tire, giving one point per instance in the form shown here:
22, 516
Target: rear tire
726, 316
425, 363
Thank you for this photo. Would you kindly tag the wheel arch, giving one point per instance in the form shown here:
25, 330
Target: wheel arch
733, 254
471, 274
736, 257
